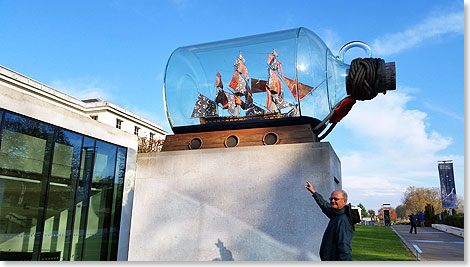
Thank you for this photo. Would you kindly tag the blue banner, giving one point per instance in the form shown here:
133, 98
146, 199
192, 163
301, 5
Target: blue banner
448, 194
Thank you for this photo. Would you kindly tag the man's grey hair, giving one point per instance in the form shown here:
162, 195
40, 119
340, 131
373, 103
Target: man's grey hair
345, 194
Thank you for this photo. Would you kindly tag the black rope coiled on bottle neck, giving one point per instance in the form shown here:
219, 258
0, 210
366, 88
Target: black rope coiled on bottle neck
364, 79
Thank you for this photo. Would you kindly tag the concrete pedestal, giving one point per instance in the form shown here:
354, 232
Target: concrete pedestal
242, 204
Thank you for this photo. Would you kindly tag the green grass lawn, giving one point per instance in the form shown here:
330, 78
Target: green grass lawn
378, 243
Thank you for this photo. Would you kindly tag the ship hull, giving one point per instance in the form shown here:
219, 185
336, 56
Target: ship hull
235, 123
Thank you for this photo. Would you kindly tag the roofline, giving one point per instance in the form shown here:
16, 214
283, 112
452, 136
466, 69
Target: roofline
75, 103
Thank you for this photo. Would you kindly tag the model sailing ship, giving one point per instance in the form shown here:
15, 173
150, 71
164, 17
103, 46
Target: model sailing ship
240, 95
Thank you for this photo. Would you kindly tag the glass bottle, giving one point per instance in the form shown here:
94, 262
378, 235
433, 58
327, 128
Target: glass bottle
289, 73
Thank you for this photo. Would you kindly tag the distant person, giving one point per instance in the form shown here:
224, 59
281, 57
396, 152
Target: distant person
412, 222
421, 219
336, 244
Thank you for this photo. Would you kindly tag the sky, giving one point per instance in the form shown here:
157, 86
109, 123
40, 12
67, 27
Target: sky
117, 50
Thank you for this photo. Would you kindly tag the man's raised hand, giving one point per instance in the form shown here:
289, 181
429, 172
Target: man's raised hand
310, 188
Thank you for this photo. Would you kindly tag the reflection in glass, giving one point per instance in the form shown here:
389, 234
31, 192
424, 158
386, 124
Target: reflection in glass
24, 148
101, 197
82, 198
117, 203
64, 176
60, 193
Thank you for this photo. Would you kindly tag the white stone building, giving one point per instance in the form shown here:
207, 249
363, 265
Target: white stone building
113, 115
97, 109
66, 173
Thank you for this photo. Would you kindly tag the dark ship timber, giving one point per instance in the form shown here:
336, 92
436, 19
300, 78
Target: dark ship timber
269, 116
237, 123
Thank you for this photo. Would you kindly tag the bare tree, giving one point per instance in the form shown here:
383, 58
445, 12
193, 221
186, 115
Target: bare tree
149, 145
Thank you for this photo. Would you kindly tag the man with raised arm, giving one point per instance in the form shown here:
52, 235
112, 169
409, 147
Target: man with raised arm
336, 244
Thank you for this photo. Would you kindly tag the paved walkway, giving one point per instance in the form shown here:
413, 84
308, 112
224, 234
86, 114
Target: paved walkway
431, 244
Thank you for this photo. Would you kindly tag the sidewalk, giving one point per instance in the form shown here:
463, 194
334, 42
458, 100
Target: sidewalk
431, 244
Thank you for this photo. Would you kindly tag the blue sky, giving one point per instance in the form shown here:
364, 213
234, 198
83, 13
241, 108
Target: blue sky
117, 50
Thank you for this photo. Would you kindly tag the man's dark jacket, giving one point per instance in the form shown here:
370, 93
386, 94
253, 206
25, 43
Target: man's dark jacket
336, 244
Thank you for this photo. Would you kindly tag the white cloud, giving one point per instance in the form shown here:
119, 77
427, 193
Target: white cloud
388, 124
372, 191
398, 149
83, 88
373, 186
443, 111
415, 35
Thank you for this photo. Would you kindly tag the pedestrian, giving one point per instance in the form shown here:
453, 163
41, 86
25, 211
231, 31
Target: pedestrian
336, 244
421, 219
412, 222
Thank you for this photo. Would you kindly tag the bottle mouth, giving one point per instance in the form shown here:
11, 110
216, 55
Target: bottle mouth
387, 77
369, 76
384, 73
390, 77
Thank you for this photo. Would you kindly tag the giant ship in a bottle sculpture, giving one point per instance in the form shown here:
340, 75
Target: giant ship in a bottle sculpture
280, 79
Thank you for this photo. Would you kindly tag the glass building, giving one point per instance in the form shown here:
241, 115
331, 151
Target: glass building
60, 192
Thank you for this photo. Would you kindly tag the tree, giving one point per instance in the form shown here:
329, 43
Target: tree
363, 211
372, 214
415, 199
401, 211
429, 215
393, 214
149, 145
460, 204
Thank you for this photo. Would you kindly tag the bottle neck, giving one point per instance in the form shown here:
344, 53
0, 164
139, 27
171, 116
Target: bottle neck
336, 74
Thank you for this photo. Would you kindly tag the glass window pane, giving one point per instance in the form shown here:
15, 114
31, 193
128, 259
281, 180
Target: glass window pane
79, 180
101, 198
24, 155
60, 204
117, 203
82, 198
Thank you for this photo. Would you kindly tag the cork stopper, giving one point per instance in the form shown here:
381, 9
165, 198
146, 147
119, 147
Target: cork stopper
390, 76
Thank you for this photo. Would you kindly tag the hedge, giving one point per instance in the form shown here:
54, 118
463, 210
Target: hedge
456, 220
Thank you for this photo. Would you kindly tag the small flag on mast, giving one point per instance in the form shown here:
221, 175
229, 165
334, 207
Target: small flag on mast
218, 81
304, 90
204, 107
231, 103
274, 83
268, 100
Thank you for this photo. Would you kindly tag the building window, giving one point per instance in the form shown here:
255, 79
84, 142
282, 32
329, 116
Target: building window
136, 130
94, 117
60, 192
118, 123
152, 136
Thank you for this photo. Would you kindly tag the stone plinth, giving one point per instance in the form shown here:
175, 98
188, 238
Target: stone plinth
242, 204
